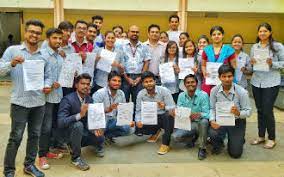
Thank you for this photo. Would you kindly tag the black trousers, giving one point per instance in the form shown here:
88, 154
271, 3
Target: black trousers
264, 101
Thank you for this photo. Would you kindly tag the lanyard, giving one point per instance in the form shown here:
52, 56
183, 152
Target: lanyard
227, 97
133, 51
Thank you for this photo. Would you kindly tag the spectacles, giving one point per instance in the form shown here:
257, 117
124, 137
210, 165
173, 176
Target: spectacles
34, 32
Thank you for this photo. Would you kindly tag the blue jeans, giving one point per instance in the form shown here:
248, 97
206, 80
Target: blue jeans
114, 131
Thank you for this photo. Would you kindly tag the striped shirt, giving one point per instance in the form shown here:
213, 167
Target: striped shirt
242, 58
271, 78
20, 97
55, 62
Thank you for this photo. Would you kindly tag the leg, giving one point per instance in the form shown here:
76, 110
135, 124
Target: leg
202, 132
45, 135
257, 94
217, 137
168, 126
34, 125
19, 117
75, 132
115, 131
236, 138
125, 87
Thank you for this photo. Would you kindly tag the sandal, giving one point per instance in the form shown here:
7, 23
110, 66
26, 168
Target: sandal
270, 144
257, 141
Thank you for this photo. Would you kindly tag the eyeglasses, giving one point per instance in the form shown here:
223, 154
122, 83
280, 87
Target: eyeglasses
35, 32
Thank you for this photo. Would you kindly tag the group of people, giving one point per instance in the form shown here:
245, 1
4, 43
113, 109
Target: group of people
56, 116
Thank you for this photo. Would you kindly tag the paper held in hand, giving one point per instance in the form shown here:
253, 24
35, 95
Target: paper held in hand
182, 118
212, 70
149, 113
167, 73
33, 73
224, 117
96, 116
106, 60
124, 113
261, 56
185, 66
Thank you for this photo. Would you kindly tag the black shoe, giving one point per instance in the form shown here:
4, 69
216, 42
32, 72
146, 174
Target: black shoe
10, 174
216, 150
202, 154
80, 164
33, 171
100, 152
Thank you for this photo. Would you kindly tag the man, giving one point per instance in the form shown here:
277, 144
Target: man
165, 105
136, 60
228, 91
51, 53
198, 102
98, 21
173, 31
27, 107
72, 119
111, 96
157, 49
92, 34
66, 48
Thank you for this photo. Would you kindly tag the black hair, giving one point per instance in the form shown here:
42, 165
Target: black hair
83, 76
147, 74
92, 25
97, 17
34, 22
113, 74
170, 43
240, 36
118, 26
271, 40
183, 48
190, 76
225, 68
164, 32
65, 25
173, 16
153, 26
217, 28
81, 21
203, 36
184, 33
52, 31
109, 32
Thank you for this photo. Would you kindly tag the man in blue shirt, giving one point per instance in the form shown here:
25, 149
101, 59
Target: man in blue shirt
198, 102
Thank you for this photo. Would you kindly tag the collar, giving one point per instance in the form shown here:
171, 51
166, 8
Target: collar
73, 39
232, 89
147, 94
50, 50
195, 93
158, 43
82, 100
23, 46
109, 92
138, 43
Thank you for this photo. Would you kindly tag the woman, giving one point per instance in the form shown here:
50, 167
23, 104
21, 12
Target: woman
265, 84
202, 42
164, 37
217, 52
184, 36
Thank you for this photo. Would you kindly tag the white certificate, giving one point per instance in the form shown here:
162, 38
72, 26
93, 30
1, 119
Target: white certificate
96, 116
185, 66
124, 113
241, 62
167, 73
107, 58
72, 63
261, 55
212, 70
89, 64
149, 113
33, 71
224, 117
182, 118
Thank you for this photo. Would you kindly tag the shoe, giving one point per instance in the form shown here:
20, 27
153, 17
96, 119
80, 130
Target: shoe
217, 150
258, 140
33, 171
62, 150
202, 154
269, 144
154, 138
43, 164
163, 149
52, 155
99, 151
10, 174
80, 164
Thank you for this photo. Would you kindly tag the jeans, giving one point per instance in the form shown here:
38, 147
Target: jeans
236, 137
114, 131
199, 128
78, 136
166, 122
264, 101
21, 116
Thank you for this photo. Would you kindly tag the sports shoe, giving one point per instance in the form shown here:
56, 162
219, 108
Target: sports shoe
154, 138
33, 171
43, 164
163, 149
52, 155
80, 164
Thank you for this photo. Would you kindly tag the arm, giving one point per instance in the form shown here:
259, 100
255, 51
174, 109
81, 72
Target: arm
64, 117
205, 107
212, 105
280, 53
169, 101
245, 106
138, 108
5, 62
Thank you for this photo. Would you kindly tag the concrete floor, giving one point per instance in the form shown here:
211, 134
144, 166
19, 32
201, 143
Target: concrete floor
133, 157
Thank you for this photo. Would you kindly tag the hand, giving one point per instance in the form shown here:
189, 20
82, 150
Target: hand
62, 53
206, 74
214, 125
195, 116
269, 62
46, 90
243, 69
176, 68
83, 56
195, 69
132, 124
235, 111
56, 85
17, 60
121, 68
111, 108
252, 61
137, 81
84, 109
98, 132
172, 113
161, 105
139, 124
130, 81
115, 64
